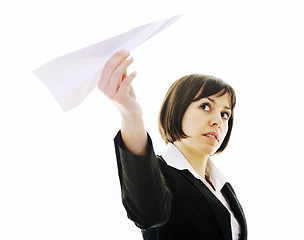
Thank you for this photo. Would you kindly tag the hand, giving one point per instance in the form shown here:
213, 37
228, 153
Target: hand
116, 84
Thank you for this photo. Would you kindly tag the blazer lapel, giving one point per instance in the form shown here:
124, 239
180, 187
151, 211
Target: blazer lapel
220, 211
236, 208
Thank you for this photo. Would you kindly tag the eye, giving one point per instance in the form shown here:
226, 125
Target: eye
225, 115
205, 106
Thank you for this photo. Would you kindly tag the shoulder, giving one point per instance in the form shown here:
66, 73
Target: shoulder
163, 165
173, 176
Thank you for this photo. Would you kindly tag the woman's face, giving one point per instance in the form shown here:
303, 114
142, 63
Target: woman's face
205, 122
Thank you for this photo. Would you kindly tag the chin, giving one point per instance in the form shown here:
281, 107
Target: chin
209, 151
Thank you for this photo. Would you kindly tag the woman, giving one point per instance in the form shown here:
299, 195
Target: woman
181, 194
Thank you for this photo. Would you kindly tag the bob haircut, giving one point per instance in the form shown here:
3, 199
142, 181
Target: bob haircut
181, 94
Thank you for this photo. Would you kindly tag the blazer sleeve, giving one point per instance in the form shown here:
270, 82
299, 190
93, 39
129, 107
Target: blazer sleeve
144, 192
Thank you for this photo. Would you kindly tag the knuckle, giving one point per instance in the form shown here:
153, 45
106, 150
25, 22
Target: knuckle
116, 75
110, 65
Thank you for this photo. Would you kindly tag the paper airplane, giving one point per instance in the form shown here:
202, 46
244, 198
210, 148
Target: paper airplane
71, 77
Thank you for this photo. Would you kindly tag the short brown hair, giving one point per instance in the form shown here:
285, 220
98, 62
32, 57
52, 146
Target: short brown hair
181, 94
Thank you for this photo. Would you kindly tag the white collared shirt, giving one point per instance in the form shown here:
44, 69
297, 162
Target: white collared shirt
176, 159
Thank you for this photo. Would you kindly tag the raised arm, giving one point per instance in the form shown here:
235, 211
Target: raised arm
145, 194
115, 83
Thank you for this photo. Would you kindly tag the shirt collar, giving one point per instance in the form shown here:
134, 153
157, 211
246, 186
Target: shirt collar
176, 159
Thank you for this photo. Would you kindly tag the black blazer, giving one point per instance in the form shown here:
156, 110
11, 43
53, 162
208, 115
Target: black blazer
171, 204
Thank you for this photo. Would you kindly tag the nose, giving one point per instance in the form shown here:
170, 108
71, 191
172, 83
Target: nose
216, 120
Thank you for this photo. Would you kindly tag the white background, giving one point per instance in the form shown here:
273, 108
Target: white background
58, 176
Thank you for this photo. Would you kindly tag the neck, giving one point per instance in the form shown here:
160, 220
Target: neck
198, 161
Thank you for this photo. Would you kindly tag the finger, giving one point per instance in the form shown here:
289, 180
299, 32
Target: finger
110, 66
125, 87
118, 76
116, 59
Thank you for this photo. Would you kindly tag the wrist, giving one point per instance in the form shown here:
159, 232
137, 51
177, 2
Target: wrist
131, 112
134, 134
132, 119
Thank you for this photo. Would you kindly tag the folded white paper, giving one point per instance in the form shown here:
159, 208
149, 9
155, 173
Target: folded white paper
71, 77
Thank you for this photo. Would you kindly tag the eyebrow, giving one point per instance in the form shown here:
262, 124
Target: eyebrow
213, 101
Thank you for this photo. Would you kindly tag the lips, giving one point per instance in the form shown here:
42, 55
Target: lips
213, 135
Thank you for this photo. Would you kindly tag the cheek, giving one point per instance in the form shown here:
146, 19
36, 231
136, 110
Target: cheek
224, 131
191, 123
